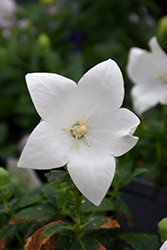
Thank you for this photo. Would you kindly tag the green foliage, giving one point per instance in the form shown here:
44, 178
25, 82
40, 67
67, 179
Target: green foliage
62, 228
106, 205
122, 207
141, 241
55, 207
57, 176
29, 200
85, 243
94, 222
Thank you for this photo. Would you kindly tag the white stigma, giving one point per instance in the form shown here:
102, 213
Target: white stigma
79, 130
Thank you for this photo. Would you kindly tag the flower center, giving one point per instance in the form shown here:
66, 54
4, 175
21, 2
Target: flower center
79, 130
162, 77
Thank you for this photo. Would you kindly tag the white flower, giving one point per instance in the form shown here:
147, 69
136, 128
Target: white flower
148, 71
164, 246
27, 177
7, 9
82, 127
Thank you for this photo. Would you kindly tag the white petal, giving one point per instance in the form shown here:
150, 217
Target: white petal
53, 96
27, 177
112, 132
45, 149
143, 66
91, 172
101, 87
164, 246
154, 46
146, 97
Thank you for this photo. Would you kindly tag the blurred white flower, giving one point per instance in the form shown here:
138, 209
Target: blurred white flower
148, 71
164, 246
82, 127
27, 177
7, 9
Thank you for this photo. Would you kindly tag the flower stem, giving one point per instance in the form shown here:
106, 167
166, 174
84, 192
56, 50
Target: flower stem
77, 203
7, 210
21, 242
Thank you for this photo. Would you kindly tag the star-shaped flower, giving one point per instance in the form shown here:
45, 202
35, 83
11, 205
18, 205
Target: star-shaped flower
82, 127
148, 71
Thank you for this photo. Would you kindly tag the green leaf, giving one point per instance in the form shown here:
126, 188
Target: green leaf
6, 194
29, 200
57, 176
106, 205
61, 228
49, 192
7, 231
122, 207
94, 222
138, 171
86, 243
37, 213
141, 241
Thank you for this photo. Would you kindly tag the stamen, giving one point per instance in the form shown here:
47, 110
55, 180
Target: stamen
76, 138
78, 131
160, 77
87, 140
68, 128
86, 121
82, 119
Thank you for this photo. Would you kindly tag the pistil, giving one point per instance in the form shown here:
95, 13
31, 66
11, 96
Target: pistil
79, 130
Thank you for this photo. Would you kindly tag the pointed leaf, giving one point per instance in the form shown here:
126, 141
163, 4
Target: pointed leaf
138, 171
94, 222
29, 200
106, 205
57, 176
36, 213
60, 227
141, 241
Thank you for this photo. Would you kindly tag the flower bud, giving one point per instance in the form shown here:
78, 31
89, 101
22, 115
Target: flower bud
3, 177
47, 2
162, 225
162, 32
44, 42
162, 26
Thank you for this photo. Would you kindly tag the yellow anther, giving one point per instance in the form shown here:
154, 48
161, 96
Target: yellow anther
78, 131
160, 77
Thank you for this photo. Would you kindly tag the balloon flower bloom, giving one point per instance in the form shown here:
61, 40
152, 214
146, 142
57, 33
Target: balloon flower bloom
82, 126
148, 71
